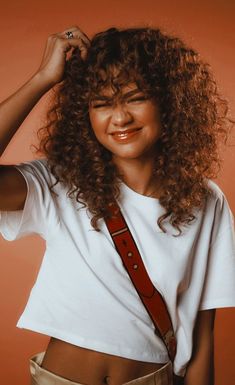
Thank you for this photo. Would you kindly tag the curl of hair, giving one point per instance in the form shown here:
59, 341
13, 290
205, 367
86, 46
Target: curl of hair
193, 121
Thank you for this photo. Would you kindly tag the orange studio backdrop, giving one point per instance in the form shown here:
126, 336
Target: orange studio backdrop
206, 25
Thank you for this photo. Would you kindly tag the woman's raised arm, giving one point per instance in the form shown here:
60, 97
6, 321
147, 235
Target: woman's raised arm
15, 109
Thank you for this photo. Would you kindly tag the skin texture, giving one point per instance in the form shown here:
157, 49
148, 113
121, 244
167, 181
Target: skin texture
200, 370
133, 153
134, 111
62, 358
90, 367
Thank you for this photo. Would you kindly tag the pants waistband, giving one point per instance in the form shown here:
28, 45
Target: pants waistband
41, 376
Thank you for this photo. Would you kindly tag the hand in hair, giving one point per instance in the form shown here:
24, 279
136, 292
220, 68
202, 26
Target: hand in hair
57, 47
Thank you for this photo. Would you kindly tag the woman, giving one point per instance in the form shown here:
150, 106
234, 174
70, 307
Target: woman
137, 120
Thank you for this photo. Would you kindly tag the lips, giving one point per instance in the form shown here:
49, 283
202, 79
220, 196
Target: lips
124, 135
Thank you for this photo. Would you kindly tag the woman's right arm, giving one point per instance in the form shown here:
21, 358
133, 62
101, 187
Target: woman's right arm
15, 109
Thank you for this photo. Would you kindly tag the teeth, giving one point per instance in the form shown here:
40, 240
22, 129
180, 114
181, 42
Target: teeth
125, 133
122, 135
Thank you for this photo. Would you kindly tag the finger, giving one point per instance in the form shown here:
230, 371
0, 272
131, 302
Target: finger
49, 45
86, 38
75, 43
73, 28
77, 33
85, 43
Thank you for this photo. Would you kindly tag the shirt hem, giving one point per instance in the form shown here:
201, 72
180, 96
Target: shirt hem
94, 344
219, 303
179, 371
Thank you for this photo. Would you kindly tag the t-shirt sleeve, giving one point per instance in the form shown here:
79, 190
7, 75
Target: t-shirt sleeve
219, 285
40, 213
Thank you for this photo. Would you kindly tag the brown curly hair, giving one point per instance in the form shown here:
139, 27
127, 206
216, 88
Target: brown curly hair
193, 120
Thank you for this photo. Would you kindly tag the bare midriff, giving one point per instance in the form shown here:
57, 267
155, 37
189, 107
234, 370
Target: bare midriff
90, 367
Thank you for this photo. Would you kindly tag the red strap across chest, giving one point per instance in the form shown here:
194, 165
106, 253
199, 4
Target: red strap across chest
150, 297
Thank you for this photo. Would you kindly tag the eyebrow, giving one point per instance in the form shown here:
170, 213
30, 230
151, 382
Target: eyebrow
124, 96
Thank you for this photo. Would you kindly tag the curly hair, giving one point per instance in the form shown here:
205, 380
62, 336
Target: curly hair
193, 120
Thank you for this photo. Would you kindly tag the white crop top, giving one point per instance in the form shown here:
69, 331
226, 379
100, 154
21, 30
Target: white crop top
84, 296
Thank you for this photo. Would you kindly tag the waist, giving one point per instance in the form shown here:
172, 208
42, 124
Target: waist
91, 367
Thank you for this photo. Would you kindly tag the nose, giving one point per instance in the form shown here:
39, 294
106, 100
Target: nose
120, 115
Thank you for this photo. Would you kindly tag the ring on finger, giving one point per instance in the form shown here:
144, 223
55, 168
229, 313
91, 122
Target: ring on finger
69, 35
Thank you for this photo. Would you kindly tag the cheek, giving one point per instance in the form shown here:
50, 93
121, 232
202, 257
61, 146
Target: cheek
98, 122
154, 126
147, 113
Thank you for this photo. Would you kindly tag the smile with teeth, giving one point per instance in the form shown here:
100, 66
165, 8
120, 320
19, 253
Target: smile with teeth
122, 135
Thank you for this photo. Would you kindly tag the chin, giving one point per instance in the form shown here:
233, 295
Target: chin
128, 154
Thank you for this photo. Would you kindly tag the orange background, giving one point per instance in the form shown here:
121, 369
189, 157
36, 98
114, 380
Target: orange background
24, 27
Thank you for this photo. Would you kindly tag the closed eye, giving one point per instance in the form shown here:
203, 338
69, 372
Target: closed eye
137, 99
107, 103
101, 105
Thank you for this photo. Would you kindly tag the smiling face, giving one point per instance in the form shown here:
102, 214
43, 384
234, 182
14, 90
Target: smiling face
127, 123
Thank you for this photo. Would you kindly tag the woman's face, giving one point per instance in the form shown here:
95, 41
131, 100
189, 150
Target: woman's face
127, 124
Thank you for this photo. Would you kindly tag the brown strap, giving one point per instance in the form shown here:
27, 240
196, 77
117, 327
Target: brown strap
131, 258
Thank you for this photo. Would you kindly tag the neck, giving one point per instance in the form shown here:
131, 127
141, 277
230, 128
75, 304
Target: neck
138, 175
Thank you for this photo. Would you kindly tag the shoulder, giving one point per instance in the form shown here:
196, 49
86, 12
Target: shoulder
214, 188
217, 207
40, 164
37, 169
216, 198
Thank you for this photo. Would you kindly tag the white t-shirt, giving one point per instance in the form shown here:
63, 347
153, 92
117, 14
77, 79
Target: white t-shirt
83, 294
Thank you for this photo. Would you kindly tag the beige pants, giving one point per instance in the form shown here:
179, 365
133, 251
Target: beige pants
40, 376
